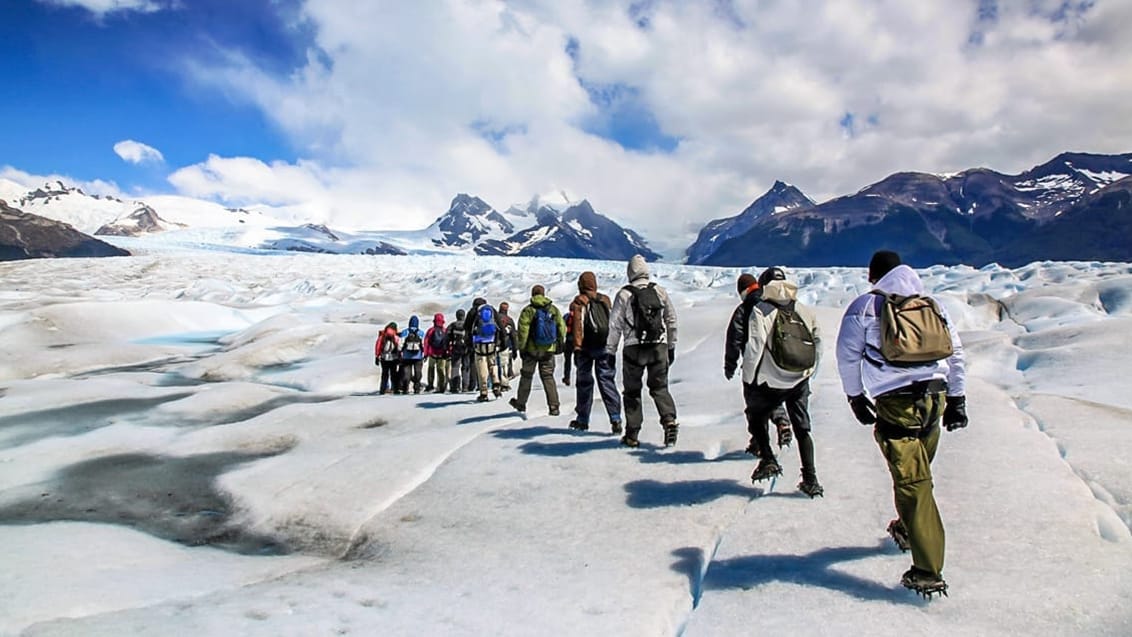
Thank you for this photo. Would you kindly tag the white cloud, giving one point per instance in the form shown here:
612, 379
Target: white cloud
103, 7
137, 152
396, 98
30, 181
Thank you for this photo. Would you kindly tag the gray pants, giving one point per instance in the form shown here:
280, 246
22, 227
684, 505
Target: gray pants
639, 359
544, 361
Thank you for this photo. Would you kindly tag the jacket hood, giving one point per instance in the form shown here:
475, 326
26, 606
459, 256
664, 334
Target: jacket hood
391, 327
780, 292
539, 300
901, 280
587, 282
414, 322
438, 319
460, 314
638, 268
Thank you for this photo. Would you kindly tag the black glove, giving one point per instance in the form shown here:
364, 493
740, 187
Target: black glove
955, 413
611, 360
728, 371
671, 355
377, 361
863, 409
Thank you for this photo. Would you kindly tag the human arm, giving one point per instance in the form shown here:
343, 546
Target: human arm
735, 340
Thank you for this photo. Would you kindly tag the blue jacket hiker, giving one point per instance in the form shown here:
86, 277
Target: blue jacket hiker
412, 355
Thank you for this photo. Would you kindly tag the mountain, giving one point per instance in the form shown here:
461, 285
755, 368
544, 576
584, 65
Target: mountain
144, 220
975, 217
780, 198
27, 236
468, 220
578, 232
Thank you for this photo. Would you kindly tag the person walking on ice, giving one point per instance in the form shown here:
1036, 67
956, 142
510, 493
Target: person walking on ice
901, 347
644, 317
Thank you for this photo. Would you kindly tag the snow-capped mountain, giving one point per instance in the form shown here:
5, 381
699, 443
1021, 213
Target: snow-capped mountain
780, 198
468, 220
578, 232
976, 217
144, 220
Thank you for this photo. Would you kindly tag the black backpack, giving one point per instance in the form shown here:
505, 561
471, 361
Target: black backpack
791, 342
412, 343
595, 327
648, 313
458, 338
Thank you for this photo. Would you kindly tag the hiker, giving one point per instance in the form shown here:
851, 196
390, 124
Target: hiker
510, 349
914, 384
644, 316
387, 354
437, 351
486, 335
458, 355
541, 333
568, 348
750, 293
781, 353
587, 329
412, 356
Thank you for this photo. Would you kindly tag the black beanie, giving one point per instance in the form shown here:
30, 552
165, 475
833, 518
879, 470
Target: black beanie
773, 273
745, 281
882, 263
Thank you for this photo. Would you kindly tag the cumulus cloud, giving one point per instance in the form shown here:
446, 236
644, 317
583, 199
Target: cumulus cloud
399, 108
103, 7
137, 152
25, 181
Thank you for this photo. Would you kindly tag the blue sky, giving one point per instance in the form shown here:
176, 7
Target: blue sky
375, 114
84, 82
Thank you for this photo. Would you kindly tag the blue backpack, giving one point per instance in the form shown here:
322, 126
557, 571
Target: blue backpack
484, 329
544, 328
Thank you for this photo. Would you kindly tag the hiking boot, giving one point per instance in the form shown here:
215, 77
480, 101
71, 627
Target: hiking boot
785, 434
811, 488
899, 534
767, 468
924, 583
554, 411
482, 398
580, 426
615, 427
630, 440
670, 431
498, 392
519, 407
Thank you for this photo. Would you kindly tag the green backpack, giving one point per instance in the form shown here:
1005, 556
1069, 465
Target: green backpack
792, 345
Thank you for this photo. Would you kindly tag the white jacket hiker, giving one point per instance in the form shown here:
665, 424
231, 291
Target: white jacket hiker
758, 364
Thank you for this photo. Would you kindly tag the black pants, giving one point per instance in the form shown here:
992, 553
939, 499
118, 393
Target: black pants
762, 401
639, 359
390, 376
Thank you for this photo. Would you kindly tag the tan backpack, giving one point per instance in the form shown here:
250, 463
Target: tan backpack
912, 329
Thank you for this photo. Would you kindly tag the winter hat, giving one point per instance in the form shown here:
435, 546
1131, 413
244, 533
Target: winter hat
773, 273
538, 290
745, 282
460, 314
882, 263
587, 282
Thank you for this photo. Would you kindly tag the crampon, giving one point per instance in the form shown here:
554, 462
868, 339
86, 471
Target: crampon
899, 534
923, 583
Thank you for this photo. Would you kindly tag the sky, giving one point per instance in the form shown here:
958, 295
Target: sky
191, 444
663, 114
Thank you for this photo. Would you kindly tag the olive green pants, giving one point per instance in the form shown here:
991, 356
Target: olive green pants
907, 432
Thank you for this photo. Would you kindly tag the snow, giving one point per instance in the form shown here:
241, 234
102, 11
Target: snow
1104, 178
187, 394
